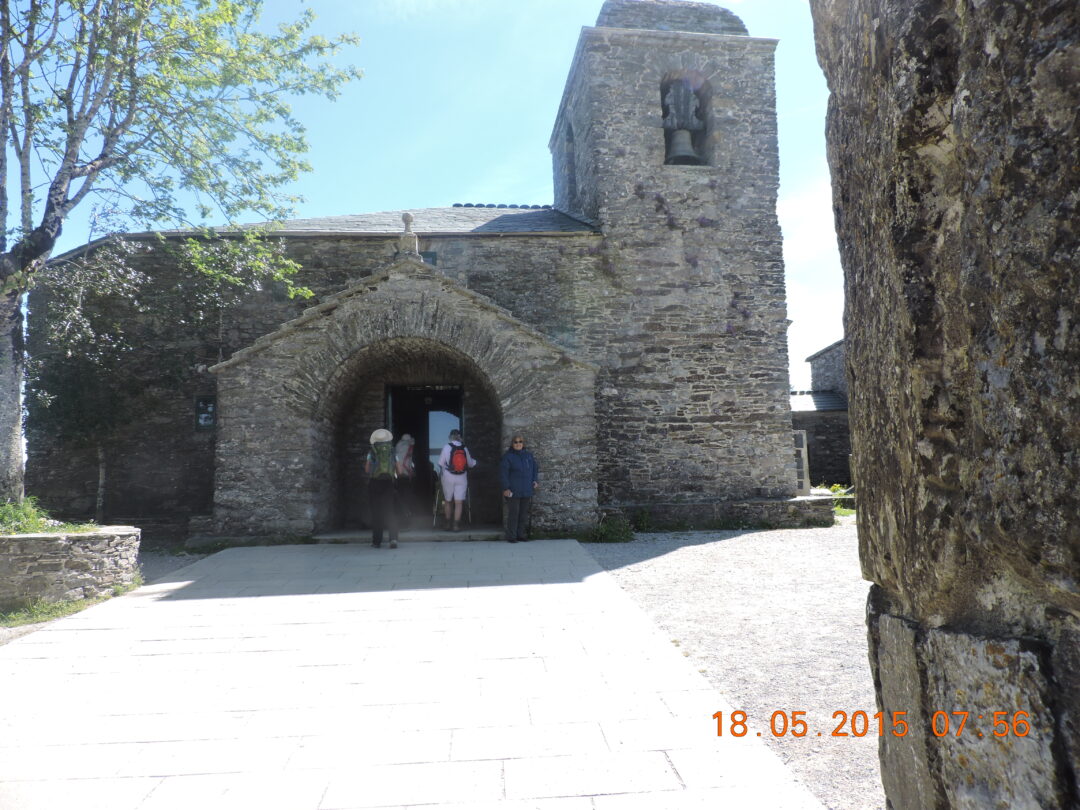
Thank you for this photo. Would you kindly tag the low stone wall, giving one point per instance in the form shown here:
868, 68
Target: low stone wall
779, 513
59, 566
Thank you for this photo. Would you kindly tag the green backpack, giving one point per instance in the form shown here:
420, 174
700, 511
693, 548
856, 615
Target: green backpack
383, 457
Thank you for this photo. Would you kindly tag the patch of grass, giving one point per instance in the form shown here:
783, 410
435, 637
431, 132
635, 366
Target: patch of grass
29, 518
610, 529
844, 502
40, 610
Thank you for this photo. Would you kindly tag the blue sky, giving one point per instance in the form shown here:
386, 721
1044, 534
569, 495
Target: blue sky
457, 104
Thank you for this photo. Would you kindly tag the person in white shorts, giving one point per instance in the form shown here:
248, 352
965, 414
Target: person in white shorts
455, 461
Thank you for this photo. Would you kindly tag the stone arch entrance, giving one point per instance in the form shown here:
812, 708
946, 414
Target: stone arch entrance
284, 402
404, 384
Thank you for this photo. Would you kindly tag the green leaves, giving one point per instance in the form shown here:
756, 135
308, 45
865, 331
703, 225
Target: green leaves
160, 106
125, 321
224, 268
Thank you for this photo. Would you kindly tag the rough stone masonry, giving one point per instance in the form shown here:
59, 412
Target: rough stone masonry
66, 565
954, 142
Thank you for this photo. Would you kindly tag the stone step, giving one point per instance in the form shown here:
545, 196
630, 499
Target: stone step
423, 535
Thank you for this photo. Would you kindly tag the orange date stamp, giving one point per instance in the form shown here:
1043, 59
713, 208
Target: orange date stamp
784, 723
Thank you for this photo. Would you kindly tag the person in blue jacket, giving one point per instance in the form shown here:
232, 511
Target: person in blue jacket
518, 472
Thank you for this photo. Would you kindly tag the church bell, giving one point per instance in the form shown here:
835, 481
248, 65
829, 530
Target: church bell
681, 150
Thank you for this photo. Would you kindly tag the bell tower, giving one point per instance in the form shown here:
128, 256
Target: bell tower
658, 84
666, 141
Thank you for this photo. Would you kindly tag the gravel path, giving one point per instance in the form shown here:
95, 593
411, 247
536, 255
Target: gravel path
775, 620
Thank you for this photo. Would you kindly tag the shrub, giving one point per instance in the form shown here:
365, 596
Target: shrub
642, 521
842, 505
610, 529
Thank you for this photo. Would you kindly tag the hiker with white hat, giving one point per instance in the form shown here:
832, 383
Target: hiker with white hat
381, 469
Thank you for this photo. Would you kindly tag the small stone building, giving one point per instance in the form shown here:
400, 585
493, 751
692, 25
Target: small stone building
635, 330
823, 413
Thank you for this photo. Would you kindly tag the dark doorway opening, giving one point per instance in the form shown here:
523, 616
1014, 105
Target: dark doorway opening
427, 413
420, 387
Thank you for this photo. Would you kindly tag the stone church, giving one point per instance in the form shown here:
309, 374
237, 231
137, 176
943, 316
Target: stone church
634, 330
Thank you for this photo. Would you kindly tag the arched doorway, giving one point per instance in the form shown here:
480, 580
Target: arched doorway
424, 388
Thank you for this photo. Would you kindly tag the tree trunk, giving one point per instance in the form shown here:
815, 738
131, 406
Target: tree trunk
99, 503
12, 364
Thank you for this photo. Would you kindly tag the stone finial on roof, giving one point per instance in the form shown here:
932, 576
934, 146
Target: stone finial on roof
407, 242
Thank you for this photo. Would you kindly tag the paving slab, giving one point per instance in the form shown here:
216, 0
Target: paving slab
332, 677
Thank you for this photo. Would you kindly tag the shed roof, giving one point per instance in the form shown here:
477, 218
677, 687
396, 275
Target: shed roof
817, 401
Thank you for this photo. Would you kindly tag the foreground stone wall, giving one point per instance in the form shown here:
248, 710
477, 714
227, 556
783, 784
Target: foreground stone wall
954, 139
53, 567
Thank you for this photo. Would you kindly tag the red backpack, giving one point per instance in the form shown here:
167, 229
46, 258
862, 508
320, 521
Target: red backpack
459, 459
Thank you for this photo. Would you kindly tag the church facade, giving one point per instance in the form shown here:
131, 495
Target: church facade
634, 331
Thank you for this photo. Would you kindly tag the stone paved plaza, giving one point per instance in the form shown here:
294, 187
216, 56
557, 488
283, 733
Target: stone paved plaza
465, 675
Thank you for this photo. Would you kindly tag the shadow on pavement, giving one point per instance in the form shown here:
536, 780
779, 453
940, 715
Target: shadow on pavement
259, 571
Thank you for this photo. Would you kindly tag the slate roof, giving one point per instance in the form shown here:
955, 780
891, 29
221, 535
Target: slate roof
452, 220
817, 401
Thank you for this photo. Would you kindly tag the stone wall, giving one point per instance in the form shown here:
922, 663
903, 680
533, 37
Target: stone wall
54, 567
827, 369
161, 468
828, 443
673, 15
954, 138
686, 313
773, 513
284, 399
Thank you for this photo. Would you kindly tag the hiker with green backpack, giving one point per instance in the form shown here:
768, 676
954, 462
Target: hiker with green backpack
381, 470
